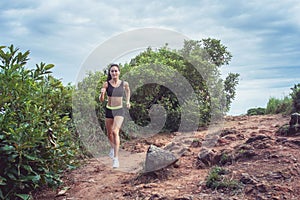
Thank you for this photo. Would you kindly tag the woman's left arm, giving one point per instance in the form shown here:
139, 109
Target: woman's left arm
127, 93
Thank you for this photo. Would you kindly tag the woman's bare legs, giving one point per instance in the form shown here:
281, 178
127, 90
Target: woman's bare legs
109, 124
113, 128
117, 123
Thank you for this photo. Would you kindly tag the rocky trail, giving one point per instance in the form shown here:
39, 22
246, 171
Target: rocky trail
249, 160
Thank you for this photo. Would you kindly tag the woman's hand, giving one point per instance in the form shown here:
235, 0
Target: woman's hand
128, 105
101, 96
103, 90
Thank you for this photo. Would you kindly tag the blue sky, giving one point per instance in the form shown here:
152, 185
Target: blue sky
263, 36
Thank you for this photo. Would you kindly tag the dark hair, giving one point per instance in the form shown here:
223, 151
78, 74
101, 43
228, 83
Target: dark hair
108, 73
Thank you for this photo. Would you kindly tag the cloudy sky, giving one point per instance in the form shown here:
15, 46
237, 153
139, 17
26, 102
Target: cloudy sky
262, 35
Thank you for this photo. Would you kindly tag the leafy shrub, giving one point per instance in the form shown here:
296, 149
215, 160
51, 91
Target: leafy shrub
256, 111
36, 143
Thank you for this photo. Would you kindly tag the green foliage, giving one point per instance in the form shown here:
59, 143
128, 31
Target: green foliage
36, 143
276, 106
216, 180
296, 98
256, 111
230, 84
206, 56
218, 53
164, 68
163, 88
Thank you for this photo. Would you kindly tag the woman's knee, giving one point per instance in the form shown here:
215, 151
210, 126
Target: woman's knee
110, 133
115, 131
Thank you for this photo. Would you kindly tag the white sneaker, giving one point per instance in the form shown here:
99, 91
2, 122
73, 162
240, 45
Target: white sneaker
115, 163
111, 153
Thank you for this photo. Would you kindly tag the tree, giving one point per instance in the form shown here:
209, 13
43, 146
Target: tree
198, 62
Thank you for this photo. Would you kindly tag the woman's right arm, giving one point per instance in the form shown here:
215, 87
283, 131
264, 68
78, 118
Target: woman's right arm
103, 91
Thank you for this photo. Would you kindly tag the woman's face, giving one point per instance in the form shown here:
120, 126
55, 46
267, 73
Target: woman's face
114, 72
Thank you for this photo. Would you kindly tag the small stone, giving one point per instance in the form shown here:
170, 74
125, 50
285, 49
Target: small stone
207, 157
261, 187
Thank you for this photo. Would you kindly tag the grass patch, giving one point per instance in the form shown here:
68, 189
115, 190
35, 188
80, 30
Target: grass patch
217, 180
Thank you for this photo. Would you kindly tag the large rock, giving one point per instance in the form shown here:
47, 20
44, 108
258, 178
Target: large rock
291, 129
158, 158
294, 128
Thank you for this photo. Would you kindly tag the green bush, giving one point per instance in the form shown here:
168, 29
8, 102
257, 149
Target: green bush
36, 143
256, 111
